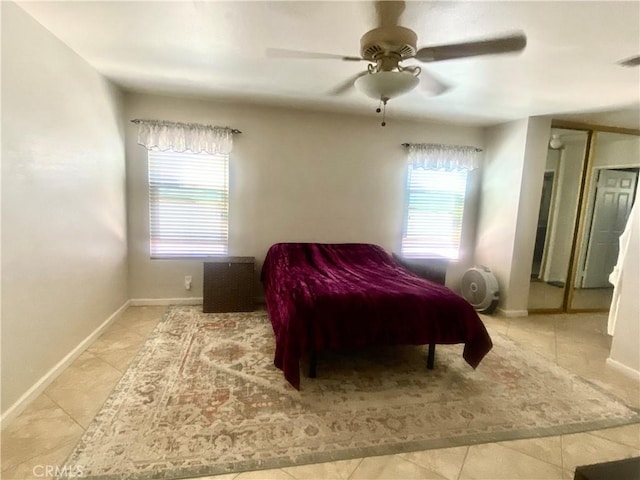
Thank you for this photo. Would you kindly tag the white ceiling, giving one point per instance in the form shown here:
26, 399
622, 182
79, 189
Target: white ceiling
217, 50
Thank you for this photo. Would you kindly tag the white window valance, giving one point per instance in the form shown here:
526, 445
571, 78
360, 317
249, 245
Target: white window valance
184, 137
433, 156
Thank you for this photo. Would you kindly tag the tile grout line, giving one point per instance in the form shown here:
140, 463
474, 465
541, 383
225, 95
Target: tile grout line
529, 455
293, 477
562, 451
594, 434
129, 329
555, 338
96, 357
47, 452
115, 367
355, 469
464, 460
13, 467
65, 411
422, 467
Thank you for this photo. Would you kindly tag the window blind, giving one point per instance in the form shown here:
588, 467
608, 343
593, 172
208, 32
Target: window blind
433, 218
188, 204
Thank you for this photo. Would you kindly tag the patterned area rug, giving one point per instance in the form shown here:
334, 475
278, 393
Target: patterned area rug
203, 397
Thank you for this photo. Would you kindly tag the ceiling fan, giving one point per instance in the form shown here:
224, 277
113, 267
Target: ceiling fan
630, 62
389, 44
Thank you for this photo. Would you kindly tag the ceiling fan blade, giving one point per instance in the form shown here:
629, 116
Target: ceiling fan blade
505, 44
347, 84
388, 12
631, 62
431, 84
284, 53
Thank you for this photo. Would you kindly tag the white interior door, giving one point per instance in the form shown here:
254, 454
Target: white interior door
614, 197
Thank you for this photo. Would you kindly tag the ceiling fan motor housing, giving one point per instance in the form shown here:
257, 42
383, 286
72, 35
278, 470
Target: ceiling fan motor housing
388, 40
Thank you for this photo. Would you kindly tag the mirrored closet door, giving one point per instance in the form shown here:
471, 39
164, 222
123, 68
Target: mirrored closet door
557, 218
610, 190
590, 182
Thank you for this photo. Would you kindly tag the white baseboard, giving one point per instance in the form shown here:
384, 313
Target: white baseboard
622, 368
18, 407
142, 302
512, 313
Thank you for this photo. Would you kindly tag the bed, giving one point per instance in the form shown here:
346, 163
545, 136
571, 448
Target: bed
348, 296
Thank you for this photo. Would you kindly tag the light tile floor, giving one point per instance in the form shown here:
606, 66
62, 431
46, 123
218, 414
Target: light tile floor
46, 432
545, 296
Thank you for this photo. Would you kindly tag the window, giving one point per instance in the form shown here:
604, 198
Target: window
433, 215
188, 204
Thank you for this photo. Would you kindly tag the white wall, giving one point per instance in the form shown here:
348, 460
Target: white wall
617, 150
64, 268
295, 176
515, 158
625, 347
499, 198
535, 157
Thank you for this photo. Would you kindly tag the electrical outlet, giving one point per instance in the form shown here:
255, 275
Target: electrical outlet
187, 282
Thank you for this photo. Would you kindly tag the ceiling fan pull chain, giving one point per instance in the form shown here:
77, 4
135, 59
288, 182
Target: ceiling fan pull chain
378, 110
384, 111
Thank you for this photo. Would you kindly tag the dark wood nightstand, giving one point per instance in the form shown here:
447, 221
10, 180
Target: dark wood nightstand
228, 284
433, 268
627, 469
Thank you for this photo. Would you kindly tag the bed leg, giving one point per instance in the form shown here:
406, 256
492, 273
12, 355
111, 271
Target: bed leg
313, 359
431, 355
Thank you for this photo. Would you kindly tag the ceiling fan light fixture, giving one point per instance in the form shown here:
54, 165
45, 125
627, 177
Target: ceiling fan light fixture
386, 85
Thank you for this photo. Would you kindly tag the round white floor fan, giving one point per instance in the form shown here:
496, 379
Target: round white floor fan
480, 288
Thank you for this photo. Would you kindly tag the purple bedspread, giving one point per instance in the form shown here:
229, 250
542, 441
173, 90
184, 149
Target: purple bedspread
337, 296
